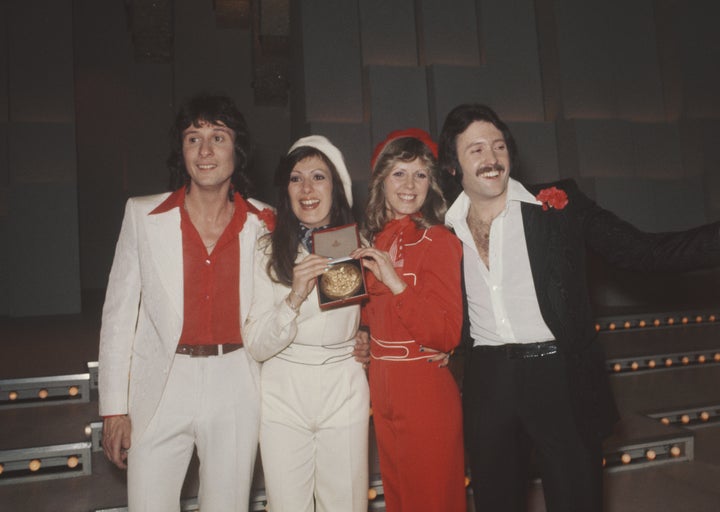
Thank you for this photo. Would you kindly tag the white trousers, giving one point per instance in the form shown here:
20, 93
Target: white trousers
314, 436
211, 403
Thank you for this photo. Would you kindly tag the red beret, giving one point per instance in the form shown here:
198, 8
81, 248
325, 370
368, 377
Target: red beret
415, 133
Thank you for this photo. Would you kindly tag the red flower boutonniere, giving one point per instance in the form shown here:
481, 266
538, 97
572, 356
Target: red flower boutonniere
268, 217
552, 197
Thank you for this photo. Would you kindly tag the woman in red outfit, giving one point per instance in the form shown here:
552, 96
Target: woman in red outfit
414, 312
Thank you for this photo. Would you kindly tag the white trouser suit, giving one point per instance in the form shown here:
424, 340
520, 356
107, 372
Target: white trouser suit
314, 401
175, 401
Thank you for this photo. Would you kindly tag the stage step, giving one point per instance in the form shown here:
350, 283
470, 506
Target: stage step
45, 463
665, 368
657, 391
651, 342
640, 442
698, 416
690, 487
41, 391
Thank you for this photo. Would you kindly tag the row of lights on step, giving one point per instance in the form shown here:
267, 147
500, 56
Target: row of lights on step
43, 393
35, 464
649, 454
685, 419
657, 322
667, 362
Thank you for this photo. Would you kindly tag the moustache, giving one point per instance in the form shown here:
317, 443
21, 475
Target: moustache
494, 167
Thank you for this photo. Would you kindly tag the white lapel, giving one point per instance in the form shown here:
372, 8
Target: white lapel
247, 240
164, 238
253, 229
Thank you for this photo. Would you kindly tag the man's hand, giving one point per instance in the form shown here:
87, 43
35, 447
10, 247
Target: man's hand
116, 439
362, 348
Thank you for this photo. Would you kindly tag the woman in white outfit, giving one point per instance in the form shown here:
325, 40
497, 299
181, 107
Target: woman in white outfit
315, 400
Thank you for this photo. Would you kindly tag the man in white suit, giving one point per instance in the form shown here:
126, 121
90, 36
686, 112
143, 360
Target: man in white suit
173, 371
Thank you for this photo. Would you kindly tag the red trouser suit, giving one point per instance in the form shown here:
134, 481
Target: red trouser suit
416, 405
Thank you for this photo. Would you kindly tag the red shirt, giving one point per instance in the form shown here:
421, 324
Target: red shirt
211, 282
429, 310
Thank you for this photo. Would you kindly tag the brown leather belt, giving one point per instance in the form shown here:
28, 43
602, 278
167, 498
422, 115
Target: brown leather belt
207, 350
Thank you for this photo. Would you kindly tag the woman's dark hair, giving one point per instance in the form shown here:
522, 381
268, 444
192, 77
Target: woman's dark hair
285, 238
456, 122
214, 110
404, 149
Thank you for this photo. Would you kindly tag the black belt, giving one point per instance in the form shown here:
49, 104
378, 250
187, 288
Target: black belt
207, 350
521, 350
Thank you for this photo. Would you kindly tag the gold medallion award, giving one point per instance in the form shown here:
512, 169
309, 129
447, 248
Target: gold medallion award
340, 281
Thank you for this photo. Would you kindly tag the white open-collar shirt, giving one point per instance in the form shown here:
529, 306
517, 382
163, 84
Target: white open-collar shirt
502, 303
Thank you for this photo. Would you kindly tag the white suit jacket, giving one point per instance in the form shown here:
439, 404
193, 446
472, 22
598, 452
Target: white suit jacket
142, 317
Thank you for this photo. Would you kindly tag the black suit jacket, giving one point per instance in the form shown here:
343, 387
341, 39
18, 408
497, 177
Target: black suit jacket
557, 242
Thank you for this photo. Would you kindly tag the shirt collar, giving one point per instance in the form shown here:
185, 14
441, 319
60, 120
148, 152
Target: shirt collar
518, 192
457, 213
177, 200
174, 200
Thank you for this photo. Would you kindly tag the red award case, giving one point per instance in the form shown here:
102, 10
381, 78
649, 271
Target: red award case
344, 281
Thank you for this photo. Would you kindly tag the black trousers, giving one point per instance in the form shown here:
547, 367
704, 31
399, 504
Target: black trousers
512, 406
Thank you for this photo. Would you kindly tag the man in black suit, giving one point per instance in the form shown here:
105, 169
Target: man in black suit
535, 376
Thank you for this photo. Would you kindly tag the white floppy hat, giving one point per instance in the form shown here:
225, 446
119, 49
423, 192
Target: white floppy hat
334, 155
